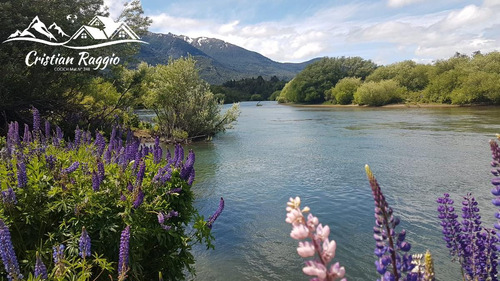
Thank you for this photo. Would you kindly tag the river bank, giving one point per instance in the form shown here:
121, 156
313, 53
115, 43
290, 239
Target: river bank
399, 105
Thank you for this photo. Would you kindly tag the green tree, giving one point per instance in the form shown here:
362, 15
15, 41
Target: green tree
378, 93
311, 84
184, 105
343, 92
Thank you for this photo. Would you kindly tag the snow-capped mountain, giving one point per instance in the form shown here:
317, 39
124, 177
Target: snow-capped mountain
40, 28
59, 30
15, 34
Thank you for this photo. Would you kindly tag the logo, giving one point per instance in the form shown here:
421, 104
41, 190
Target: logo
99, 32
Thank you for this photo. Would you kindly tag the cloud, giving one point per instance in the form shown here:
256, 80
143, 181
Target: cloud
401, 3
115, 7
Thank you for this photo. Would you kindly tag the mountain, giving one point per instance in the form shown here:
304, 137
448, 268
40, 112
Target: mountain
15, 34
59, 30
38, 26
217, 60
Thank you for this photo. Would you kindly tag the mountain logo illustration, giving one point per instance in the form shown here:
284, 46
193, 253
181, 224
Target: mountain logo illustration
99, 32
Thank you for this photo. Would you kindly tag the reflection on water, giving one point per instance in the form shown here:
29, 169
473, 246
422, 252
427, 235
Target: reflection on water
275, 152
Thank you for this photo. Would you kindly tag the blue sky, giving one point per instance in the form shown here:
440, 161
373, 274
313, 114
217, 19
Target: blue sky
384, 31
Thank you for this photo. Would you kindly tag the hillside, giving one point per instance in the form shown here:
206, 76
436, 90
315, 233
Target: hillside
217, 60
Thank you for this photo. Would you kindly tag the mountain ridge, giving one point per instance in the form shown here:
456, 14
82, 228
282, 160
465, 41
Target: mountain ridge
218, 61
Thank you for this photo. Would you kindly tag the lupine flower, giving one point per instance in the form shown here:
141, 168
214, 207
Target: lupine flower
99, 143
124, 253
27, 134
191, 177
319, 246
107, 154
174, 190
13, 135
139, 198
7, 254
217, 213
179, 155
40, 269
429, 267
58, 137
47, 131
168, 157
58, 253
162, 217
36, 122
188, 166
84, 244
157, 151
130, 187
51, 161
390, 247
140, 173
22, 178
100, 171
95, 181
9, 196
71, 168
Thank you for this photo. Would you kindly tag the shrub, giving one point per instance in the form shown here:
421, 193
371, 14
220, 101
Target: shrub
343, 92
378, 93
60, 192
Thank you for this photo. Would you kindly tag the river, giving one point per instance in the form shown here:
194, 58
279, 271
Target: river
275, 152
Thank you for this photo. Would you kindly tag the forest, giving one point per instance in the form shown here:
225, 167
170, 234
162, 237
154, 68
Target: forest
460, 80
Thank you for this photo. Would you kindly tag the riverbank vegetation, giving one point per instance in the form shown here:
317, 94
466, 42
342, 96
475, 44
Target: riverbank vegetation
249, 89
458, 80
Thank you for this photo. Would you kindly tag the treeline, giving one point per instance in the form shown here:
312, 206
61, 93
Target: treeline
460, 80
249, 89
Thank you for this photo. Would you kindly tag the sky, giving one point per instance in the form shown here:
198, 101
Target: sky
385, 31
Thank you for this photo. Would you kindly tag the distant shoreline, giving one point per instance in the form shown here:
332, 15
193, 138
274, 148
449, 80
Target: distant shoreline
399, 105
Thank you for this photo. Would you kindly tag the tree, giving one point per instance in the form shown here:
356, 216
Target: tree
378, 93
343, 92
184, 105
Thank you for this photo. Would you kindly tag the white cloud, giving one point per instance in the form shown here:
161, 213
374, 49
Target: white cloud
115, 7
401, 3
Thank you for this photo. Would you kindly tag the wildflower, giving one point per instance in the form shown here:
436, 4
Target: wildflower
157, 151
319, 245
58, 253
100, 171
47, 130
40, 269
130, 187
27, 134
36, 122
191, 178
9, 197
51, 161
390, 247
174, 190
429, 267
139, 198
13, 135
84, 244
95, 181
71, 168
217, 213
188, 166
124, 253
7, 254
22, 178
99, 143
179, 155
140, 173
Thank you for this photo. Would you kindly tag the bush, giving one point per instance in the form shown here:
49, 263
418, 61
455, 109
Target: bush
53, 189
378, 93
343, 92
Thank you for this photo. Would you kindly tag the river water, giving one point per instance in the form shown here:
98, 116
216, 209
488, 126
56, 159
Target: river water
275, 152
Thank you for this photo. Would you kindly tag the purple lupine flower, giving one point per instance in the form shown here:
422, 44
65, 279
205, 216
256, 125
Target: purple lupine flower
188, 166
78, 136
99, 143
51, 161
130, 187
157, 151
100, 171
130, 136
47, 131
9, 196
58, 253
124, 253
40, 268
122, 197
71, 168
27, 134
451, 227
107, 154
36, 122
137, 159
390, 246
145, 151
22, 178
168, 157
217, 213
95, 181
58, 137
191, 177
13, 135
161, 218
139, 198
84, 244
7, 254
179, 155
140, 173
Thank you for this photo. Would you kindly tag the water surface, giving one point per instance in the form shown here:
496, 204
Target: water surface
275, 152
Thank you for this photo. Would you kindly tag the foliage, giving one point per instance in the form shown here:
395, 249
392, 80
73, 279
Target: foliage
311, 85
55, 189
244, 89
378, 93
184, 105
58, 93
343, 92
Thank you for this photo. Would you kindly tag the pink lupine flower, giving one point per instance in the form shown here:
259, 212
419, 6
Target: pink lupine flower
299, 232
306, 249
314, 268
319, 246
